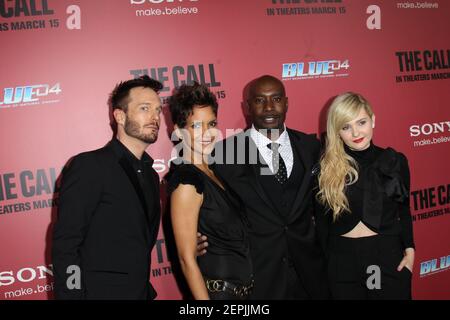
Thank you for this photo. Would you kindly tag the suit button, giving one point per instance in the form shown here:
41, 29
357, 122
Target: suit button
284, 259
286, 228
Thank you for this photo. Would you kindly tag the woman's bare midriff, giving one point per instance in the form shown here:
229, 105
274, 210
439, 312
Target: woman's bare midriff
359, 231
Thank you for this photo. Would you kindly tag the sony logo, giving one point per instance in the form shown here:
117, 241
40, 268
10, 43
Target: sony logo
8, 278
429, 128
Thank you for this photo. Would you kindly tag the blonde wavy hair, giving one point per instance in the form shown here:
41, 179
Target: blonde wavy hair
337, 168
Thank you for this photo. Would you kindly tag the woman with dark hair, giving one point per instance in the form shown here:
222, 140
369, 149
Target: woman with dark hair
365, 225
201, 202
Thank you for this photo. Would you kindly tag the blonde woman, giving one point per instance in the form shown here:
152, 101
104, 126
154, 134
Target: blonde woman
364, 221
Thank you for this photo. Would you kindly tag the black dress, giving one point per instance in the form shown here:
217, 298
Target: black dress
222, 219
379, 199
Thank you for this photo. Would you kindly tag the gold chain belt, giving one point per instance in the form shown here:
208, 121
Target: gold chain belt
222, 285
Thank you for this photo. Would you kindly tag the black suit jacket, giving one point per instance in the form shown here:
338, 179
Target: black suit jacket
105, 227
273, 235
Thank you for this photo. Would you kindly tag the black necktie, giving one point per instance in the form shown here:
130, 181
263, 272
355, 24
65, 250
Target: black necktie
279, 167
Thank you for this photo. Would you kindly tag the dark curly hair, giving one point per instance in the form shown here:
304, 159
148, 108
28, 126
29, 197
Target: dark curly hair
119, 96
186, 97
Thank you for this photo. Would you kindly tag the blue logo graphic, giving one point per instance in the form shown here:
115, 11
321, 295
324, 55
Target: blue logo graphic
314, 69
434, 265
28, 95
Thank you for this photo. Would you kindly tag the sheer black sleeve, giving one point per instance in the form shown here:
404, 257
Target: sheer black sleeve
185, 174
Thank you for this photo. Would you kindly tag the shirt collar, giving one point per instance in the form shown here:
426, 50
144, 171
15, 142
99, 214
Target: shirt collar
122, 150
262, 141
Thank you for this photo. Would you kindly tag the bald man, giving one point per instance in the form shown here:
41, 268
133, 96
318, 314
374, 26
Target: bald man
273, 177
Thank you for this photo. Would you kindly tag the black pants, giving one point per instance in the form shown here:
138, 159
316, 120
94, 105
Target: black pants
366, 269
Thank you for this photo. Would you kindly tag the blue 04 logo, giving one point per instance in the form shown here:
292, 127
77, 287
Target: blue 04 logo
28, 94
314, 68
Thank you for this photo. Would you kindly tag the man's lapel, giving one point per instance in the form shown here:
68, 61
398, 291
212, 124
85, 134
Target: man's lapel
130, 173
128, 169
302, 149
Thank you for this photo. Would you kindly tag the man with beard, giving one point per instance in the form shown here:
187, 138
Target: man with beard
109, 209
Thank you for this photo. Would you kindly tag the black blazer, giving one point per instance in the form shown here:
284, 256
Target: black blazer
273, 235
104, 226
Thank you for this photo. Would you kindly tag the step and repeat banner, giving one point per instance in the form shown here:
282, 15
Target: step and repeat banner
60, 59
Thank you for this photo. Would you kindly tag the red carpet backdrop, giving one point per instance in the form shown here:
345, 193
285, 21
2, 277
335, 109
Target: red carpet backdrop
61, 58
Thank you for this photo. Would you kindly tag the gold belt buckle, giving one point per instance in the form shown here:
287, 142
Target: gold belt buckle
214, 285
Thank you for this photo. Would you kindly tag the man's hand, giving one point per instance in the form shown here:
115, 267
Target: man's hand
201, 244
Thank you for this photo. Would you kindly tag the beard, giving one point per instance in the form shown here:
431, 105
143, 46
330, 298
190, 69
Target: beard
133, 129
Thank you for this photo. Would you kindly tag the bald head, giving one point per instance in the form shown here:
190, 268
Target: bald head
267, 103
265, 79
